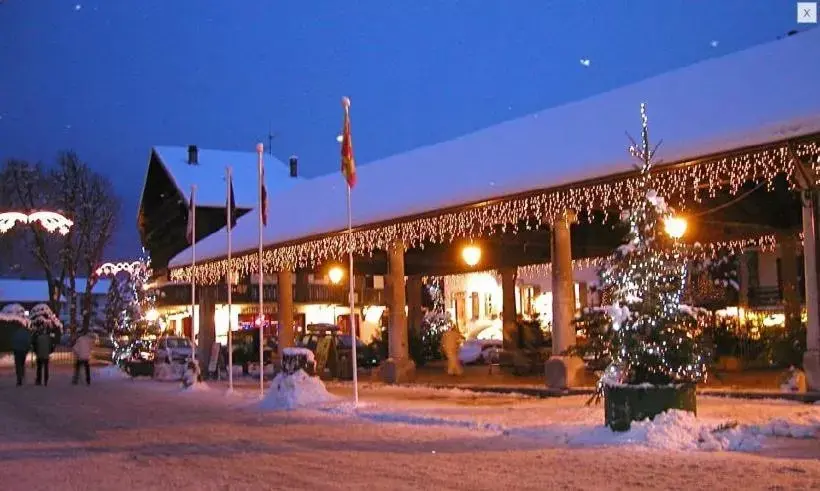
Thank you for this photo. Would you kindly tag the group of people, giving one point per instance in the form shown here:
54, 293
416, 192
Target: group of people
42, 344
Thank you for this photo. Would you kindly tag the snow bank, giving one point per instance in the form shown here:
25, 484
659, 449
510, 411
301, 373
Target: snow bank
296, 391
168, 372
673, 430
195, 387
110, 372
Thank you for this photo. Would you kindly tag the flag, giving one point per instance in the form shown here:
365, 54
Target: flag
348, 162
189, 234
231, 202
264, 197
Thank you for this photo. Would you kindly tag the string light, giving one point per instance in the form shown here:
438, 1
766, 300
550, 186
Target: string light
51, 221
112, 269
690, 181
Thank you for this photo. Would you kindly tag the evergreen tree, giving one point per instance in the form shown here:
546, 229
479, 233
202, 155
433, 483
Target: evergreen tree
652, 337
645, 334
114, 307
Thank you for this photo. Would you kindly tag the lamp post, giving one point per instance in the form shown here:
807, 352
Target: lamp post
471, 254
335, 275
675, 227
51, 221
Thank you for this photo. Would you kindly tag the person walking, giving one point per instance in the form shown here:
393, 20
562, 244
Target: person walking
43, 347
450, 343
20, 344
82, 352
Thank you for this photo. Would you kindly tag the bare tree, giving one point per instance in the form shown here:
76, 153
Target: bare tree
84, 196
27, 188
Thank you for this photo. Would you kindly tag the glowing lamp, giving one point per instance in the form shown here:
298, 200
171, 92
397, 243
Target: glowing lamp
675, 227
152, 315
335, 274
471, 254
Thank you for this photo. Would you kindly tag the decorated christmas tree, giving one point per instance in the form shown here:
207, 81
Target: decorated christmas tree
653, 338
645, 336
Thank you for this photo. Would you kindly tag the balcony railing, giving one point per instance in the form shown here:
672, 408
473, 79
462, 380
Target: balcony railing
765, 296
249, 294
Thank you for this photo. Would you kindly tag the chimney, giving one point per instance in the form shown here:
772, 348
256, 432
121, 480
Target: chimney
193, 155
294, 166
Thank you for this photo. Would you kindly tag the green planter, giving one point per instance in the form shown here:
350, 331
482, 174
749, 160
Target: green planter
627, 403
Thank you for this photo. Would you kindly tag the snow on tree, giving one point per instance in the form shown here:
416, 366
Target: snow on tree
84, 196
654, 338
645, 333
42, 319
14, 312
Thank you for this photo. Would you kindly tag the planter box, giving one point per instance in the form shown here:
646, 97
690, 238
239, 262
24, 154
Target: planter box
139, 369
627, 403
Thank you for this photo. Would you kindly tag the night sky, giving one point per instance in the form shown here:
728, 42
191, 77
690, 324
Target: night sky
111, 78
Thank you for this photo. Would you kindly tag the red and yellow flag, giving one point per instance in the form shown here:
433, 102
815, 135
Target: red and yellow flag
348, 162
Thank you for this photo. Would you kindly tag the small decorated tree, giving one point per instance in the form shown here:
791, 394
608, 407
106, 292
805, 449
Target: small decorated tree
651, 341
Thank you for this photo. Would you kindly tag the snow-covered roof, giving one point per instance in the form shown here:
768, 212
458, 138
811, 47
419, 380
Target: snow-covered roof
763, 94
209, 175
15, 290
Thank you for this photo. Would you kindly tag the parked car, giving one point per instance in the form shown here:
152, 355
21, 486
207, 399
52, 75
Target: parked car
173, 349
480, 351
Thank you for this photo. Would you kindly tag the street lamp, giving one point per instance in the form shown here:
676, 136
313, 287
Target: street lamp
51, 221
335, 274
471, 254
675, 227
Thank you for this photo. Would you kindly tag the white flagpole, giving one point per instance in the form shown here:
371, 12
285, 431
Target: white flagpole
230, 286
194, 330
354, 338
259, 151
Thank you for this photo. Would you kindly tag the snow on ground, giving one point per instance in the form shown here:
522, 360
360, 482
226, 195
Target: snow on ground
109, 372
143, 434
296, 391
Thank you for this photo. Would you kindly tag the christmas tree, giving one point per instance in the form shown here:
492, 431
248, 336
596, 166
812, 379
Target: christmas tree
645, 334
652, 338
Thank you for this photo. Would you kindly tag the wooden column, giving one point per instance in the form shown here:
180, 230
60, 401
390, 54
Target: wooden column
563, 288
743, 286
509, 314
788, 276
399, 367
207, 325
415, 315
562, 371
302, 288
284, 297
811, 359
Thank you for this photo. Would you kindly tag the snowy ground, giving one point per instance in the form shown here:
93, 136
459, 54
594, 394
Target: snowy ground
143, 434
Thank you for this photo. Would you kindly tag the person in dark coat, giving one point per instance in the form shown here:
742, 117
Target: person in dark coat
43, 347
21, 344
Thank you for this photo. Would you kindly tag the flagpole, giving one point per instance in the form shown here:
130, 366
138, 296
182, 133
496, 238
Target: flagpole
259, 151
192, 204
354, 338
229, 215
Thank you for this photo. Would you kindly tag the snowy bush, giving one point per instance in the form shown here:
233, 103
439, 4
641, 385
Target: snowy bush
14, 312
43, 319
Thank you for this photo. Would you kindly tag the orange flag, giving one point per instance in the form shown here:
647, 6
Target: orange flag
348, 162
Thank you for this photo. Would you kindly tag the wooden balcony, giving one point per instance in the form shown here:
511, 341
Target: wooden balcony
249, 294
765, 296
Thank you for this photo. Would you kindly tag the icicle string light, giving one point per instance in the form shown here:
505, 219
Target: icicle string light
677, 183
